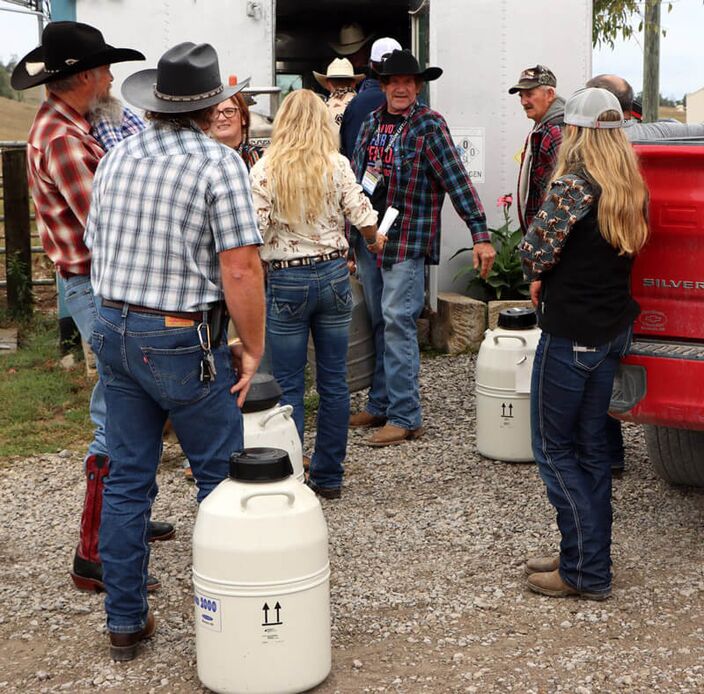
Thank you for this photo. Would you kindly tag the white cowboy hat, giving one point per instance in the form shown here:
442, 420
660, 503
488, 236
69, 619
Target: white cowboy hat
339, 69
352, 38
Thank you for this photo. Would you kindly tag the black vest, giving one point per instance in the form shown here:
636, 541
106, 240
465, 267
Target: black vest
586, 297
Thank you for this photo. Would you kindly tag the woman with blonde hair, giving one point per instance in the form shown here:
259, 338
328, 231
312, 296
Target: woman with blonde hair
303, 190
578, 254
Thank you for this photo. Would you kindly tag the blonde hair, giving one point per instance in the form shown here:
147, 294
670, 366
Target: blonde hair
299, 163
607, 159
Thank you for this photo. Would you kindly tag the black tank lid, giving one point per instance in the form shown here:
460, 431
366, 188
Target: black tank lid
517, 318
260, 465
264, 392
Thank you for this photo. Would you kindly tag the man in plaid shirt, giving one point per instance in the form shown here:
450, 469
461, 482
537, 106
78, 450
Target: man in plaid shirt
62, 156
405, 158
540, 101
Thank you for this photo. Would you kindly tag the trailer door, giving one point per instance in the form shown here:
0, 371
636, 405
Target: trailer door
241, 32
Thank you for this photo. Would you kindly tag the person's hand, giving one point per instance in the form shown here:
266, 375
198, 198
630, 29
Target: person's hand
378, 245
351, 263
535, 291
245, 366
483, 258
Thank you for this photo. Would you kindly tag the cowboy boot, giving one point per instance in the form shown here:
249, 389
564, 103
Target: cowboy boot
87, 571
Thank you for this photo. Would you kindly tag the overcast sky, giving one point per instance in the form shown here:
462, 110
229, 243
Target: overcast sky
681, 50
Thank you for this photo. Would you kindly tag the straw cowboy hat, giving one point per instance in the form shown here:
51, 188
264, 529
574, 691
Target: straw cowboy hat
352, 38
187, 78
404, 63
67, 49
339, 69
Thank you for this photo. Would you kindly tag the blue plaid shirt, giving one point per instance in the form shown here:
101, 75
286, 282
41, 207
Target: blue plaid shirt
165, 203
426, 166
108, 134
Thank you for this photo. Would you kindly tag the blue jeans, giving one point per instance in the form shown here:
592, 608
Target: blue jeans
394, 298
81, 305
570, 394
314, 299
151, 372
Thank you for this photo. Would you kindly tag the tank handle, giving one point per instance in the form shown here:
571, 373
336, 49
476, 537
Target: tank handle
247, 497
510, 337
285, 410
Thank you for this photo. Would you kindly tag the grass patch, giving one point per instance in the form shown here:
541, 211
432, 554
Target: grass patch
45, 407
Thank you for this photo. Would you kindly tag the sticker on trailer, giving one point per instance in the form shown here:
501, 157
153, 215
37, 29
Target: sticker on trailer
470, 147
208, 612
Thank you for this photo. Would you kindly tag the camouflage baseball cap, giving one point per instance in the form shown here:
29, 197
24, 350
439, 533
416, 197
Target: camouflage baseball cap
533, 77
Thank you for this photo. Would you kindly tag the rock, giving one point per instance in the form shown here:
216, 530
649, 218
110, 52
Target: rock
459, 323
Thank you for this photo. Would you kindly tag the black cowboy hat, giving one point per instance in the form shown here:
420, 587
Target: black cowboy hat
404, 63
67, 48
187, 78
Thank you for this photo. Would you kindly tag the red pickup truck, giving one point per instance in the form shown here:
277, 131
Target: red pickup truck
661, 381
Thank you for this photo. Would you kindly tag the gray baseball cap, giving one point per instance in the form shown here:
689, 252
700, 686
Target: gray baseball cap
586, 106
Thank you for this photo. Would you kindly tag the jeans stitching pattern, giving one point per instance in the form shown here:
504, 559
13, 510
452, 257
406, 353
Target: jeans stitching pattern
555, 471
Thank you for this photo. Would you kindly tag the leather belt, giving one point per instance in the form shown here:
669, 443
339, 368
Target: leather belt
302, 262
186, 315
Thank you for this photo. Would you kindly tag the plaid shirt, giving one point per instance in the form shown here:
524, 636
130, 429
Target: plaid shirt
426, 166
544, 142
62, 158
108, 134
165, 203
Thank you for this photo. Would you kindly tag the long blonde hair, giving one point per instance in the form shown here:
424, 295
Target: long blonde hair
299, 162
607, 159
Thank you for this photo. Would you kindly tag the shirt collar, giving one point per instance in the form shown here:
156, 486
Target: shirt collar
69, 113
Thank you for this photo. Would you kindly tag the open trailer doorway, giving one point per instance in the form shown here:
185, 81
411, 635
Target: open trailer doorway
306, 30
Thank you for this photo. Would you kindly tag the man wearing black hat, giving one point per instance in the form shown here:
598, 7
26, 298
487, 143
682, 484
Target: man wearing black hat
541, 104
405, 158
172, 232
62, 156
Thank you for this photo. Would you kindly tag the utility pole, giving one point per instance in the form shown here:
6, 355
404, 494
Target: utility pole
651, 61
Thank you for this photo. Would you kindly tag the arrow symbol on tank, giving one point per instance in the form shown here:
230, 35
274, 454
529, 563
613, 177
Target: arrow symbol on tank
510, 409
265, 609
277, 607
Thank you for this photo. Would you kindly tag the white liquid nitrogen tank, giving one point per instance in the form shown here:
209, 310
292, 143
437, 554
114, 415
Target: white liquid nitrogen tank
261, 580
503, 373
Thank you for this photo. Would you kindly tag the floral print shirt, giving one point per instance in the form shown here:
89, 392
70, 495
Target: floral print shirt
284, 241
568, 200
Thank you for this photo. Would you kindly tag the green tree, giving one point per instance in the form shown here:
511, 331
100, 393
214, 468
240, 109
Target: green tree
612, 19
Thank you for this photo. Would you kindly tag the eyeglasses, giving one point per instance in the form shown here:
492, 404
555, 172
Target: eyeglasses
228, 113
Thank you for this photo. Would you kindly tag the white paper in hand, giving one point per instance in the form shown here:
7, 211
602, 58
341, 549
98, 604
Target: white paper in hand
388, 220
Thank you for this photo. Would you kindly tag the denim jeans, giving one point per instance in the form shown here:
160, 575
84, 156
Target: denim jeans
394, 298
570, 394
317, 300
80, 303
151, 372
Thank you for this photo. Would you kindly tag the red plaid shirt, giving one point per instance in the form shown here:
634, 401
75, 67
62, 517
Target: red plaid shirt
62, 158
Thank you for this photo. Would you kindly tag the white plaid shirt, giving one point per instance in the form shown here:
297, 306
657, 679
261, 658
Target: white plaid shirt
165, 203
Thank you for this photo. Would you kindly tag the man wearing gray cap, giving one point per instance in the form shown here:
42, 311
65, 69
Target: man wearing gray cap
540, 101
173, 235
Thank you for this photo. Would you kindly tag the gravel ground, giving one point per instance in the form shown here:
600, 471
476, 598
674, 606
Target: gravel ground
426, 547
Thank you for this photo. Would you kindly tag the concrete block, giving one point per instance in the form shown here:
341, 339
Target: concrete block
459, 324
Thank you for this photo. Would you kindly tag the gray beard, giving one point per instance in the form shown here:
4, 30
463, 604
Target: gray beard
107, 108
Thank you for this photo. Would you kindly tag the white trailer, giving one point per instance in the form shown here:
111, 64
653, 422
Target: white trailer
482, 45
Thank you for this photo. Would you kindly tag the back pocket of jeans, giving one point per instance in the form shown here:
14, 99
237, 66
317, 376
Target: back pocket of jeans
176, 373
343, 293
589, 358
287, 300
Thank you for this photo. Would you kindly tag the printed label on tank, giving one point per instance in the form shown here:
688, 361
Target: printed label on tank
208, 612
272, 623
